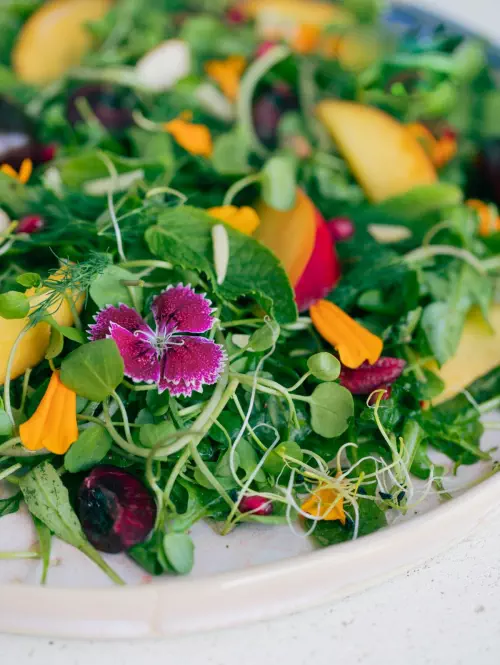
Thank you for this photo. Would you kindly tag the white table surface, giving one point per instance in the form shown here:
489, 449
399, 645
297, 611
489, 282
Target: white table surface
445, 612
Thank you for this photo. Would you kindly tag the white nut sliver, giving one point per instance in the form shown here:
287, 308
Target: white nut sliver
163, 66
220, 240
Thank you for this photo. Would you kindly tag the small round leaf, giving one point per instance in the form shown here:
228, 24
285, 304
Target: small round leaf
264, 338
179, 550
93, 370
275, 463
324, 366
14, 305
332, 406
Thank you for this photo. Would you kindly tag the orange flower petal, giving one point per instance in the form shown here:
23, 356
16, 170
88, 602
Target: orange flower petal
8, 170
25, 171
444, 151
489, 222
354, 343
227, 73
327, 504
53, 425
196, 139
243, 219
306, 39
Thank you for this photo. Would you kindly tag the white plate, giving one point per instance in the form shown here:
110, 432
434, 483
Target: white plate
255, 573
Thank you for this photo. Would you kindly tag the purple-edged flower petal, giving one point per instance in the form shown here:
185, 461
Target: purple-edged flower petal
139, 355
180, 308
124, 316
190, 363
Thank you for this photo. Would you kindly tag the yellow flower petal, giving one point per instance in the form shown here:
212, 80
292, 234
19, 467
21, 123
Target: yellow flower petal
306, 39
53, 425
354, 343
24, 172
325, 503
227, 73
243, 219
194, 138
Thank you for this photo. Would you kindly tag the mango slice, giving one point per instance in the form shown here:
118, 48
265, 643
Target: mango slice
384, 156
55, 38
290, 235
34, 344
478, 353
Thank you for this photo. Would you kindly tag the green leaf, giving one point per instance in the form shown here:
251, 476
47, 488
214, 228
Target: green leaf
150, 555
91, 447
324, 366
5, 422
66, 331
332, 406
230, 155
56, 344
248, 460
108, 289
371, 518
93, 370
279, 184
150, 434
10, 505
422, 200
179, 550
44, 546
14, 305
223, 468
29, 279
47, 499
183, 236
264, 338
275, 463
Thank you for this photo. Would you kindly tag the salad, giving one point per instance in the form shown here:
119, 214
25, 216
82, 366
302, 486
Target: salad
248, 261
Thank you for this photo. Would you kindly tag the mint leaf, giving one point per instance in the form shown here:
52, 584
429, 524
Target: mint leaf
184, 237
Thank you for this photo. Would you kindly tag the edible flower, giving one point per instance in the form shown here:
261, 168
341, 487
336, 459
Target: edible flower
489, 221
245, 219
24, 173
194, 138
326, 503
53, 425
227, 73
354, 343
440, 150
306, 39
167, 356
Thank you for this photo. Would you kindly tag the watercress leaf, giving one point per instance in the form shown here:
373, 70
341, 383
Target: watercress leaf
91, 447
324, 366
227, 482
108, 289
93, 370
332, 406
223, 468
56, 344
29, 279
150, 555
44, 546
158, 403
275, 462
150, 434
279, 184
48, 500
183, 236
248, 460
264, 338
230, 155
14, 305
179, 550
10, 505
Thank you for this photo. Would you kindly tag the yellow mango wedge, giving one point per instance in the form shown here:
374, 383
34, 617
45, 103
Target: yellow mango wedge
55, 38
383, 155
280, 18
34, 344
478, 353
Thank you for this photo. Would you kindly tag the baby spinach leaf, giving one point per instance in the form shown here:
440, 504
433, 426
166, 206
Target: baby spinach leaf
93, 370
184, 237
10, 505
179, 550
332, 406
91, 447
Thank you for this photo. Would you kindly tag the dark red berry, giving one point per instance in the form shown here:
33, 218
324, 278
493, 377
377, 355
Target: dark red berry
341, 228
367, 378
115, 508
30, 224
47, 153
235, 16
258, 505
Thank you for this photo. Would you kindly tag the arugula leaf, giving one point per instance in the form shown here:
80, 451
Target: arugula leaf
184, 237
48, 500
10, 505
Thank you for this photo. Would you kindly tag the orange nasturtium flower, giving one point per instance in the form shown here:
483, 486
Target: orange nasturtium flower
243, 219
24, 172
441, 150
306, 39
194, 138
325, 503
227, 73
489, 221
53, 425
354, 343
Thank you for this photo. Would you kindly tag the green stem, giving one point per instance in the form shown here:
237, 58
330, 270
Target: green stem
193, 447
240, 322
299, 382
178, 467
424, 253
10, 470
146, 263
239, 185
94, 556
167, 190
489, 405
10, 362
26, 385
7, 445
138, 389
19, 555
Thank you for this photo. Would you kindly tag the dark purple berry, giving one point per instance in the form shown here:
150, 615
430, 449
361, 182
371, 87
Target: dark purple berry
367, 378
115, 508
112, 107
17, 137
